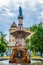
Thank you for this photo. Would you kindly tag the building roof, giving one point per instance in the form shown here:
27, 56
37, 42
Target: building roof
13, 25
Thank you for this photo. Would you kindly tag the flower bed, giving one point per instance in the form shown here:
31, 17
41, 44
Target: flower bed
37, 58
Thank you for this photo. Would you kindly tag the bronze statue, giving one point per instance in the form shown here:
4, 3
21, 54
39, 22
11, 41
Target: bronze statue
20, 11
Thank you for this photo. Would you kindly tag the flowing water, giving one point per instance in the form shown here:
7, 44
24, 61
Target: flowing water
6, 62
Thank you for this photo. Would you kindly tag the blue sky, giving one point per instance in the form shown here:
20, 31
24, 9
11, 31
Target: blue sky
32, 12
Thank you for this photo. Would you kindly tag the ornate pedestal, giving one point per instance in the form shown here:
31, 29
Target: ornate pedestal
19, 55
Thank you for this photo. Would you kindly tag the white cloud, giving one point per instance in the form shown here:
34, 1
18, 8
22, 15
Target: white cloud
16, 1
10, 14
40, 1
42, 13
19, 2
4, 2
32, 3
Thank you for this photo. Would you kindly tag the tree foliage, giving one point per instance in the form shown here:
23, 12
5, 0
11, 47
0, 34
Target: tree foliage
2, 48
3, 42
35, 27
37, 38
27, 43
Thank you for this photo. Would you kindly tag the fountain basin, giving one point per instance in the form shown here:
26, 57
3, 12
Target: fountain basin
33, 62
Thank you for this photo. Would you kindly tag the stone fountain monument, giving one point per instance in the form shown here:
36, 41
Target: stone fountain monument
19, 53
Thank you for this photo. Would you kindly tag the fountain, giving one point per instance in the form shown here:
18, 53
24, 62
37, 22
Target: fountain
19, 53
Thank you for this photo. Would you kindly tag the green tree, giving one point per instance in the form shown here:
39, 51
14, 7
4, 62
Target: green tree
2, 38
33, 28
37, 39
27, 43
3, 42
2, 48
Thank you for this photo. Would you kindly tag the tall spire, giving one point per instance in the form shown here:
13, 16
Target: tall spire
20, 13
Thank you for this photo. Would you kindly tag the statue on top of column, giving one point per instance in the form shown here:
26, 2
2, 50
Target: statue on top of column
20, 11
